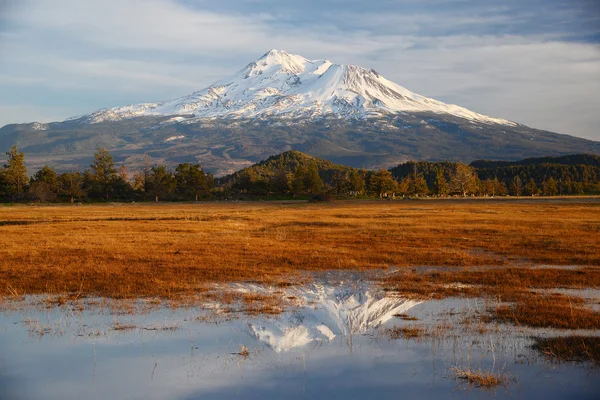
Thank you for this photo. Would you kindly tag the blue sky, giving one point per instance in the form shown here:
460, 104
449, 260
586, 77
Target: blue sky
535, 62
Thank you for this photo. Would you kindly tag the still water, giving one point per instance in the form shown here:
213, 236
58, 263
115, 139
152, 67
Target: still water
333, 344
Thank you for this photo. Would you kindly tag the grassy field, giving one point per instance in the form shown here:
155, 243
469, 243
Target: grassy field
170, 250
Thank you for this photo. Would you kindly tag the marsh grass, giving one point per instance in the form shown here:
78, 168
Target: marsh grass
486, 379
259, 304
570, 348
541, 311
244, 352
511, 293
141, 250
120, 326
405, 332
176, 253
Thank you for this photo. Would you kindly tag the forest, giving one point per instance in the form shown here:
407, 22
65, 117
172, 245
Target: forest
295, 175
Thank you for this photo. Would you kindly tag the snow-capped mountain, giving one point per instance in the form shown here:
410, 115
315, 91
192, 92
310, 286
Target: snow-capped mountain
346, 114
285, 85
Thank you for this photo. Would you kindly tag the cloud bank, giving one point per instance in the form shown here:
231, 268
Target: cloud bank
538, 64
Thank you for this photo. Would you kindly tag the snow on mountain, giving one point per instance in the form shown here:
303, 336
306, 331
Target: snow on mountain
290, 86
327, 311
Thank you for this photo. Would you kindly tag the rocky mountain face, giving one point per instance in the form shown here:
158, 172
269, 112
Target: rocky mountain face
344, 113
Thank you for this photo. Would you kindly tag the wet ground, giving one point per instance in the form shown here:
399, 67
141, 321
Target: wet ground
334, 342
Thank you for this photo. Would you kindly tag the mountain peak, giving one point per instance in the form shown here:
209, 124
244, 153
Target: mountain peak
279, 60
288, 86
275, 52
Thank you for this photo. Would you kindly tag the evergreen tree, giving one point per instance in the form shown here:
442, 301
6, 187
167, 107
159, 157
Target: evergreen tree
15, 173
104, 172
516, 186
161, 183
531, 188
404, 186
191, 181
44, 185
281, 182
356, 182
441, 184
419, 185
46, 174
549, 187
340, 181
298, 181
578, 188
312, 181
499, 188
383, 183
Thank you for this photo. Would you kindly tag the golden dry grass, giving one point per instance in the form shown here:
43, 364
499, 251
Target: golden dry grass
170, 250
541, 311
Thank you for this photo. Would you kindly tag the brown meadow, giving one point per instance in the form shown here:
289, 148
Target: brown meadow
173, 250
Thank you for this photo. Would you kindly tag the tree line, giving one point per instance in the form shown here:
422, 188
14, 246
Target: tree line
103, 181
547, 176
297, 175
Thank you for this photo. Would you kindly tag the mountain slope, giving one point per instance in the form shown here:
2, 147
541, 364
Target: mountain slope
285, 85
280, 102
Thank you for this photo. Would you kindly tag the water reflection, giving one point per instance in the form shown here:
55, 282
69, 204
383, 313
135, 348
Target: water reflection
327, 347
327, 311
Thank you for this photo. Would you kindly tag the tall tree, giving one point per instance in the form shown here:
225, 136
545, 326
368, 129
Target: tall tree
312, 180
419, 185
441, 184
161, 183
549, 187
383, 183
340, 181
46, 174
71, 185
499, 188
531, 188
280, 182
464, 179
516, 186
104, 171
356, 182
298, 186
44, 185
191, 181
405, 185
15, 172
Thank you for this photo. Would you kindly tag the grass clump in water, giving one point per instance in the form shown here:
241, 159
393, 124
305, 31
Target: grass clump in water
480, 378
570, 349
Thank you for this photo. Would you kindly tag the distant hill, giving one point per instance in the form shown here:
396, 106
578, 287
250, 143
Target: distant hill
289, 162
572, 159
